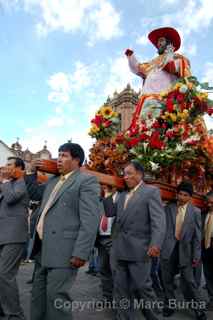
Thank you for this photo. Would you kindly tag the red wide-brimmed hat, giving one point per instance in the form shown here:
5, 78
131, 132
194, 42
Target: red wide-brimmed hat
169, 33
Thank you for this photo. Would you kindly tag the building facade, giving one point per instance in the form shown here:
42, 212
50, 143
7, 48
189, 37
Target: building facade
124, 103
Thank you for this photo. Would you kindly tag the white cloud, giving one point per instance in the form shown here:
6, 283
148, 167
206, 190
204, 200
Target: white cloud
208, 121
81, 77
105, 23
59, 110
55, 121
63, 84
168, 2
143, 40
119, 76
59, 83
191, 50
208, 73
194, 16
99, 20
208, 77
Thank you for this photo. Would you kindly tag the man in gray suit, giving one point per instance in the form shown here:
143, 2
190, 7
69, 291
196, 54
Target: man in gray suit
181, 251
207, 247
138, 235
67, 226
13, 235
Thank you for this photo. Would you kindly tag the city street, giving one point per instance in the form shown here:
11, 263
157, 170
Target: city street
87, 288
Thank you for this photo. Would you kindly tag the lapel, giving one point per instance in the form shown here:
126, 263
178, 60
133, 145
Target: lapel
173, 213
187, 219
138, 194
49, 188
66, 185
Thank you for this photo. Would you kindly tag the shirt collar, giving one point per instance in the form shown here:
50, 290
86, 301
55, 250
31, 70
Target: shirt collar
136, 187
66, 176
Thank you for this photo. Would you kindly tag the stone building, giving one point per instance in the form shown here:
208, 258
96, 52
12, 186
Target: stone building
26, 155
124, 103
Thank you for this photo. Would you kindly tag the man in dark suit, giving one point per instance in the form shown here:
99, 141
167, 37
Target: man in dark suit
181, 250
13, 234
104, 241
138, 235
207, 247
67, 226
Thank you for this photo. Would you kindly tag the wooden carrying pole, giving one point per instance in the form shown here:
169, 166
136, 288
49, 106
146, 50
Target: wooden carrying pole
168, 192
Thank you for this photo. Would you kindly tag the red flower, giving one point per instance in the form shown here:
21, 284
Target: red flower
192, 142
107, 123
133, 131
172, 95
155, 141
156, 125
119, 138
133, 142
182, 106
170, 134
180, 97
143, 137
97, 120
143, 127
169, 105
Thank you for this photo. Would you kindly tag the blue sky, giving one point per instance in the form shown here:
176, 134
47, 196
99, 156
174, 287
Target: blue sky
60, 59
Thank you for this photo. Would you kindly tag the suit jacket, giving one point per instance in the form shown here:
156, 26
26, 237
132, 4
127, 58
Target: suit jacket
140, 225
72, 221
190, 241
13, 212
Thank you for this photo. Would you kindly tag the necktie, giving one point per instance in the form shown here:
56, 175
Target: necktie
128, 197
104, 223
40, 224
208, 231
179, 221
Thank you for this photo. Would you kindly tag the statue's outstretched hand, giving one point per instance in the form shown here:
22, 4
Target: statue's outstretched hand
128, 52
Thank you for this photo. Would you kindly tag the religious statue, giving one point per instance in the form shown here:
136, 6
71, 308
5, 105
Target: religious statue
160, 73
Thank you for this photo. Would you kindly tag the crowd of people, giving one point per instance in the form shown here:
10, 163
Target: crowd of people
142, 243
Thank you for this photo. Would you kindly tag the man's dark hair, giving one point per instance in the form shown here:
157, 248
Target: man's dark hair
185, 186
18, 162
75, 151
137, 165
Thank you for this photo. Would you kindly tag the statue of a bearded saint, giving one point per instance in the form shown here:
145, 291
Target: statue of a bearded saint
160, 73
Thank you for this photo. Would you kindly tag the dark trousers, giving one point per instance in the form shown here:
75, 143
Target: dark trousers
10, 259
188, 284
133, 285
104, 248
51, 292
207, 256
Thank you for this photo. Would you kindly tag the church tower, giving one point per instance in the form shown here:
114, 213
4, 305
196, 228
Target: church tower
124, 104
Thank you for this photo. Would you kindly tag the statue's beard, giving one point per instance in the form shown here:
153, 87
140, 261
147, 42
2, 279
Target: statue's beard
162, 50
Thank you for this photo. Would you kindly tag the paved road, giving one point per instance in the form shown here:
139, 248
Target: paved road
87, 288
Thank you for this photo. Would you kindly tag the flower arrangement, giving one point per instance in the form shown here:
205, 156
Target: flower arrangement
176, 134
105, 124
173, 143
